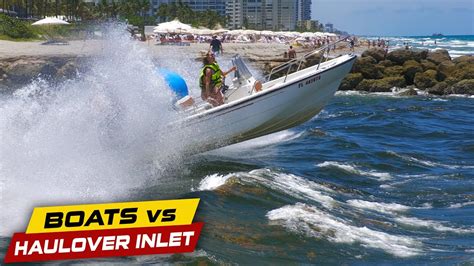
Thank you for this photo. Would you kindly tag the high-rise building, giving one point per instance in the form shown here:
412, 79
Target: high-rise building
304, 10
266, 14
197, 5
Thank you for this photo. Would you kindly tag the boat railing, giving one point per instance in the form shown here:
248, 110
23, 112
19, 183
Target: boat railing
300, 60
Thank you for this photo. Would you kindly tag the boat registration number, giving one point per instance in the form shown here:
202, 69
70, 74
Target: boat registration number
308, 81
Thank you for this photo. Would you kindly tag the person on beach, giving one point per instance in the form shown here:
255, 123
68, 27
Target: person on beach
211, 80
291, 53
352, 45
216, 45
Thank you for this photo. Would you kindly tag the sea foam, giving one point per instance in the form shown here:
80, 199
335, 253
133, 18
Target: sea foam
309, 220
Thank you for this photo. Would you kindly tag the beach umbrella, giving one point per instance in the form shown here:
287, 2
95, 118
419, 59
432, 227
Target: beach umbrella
307, 34
249, 32
267, 32
235, 32
174, 26
220, 31
50, 21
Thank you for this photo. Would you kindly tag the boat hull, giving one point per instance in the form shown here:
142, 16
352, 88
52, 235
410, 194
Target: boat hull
283, 104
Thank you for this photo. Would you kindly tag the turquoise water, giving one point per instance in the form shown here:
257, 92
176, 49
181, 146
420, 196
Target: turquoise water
457, 45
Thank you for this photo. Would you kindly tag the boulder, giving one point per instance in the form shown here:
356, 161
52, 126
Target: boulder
377, 53
438, 89
385, 63
67, 71
463, 87
393, 71
424, 80
400, 56
445, 69
464, 58
408, 92
410, 68
438, 56
24, 70
366, 66
450, 81
427, 65
351, 81
463, 71
381, 85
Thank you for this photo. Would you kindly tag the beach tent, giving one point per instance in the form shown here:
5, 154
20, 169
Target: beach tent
174, 26
49, 21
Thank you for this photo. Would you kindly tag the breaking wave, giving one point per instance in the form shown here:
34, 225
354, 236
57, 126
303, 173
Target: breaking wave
349, 168
306, 219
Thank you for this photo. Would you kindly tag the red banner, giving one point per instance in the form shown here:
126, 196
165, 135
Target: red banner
103, 243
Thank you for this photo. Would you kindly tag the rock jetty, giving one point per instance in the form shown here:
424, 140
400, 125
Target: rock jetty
434, 72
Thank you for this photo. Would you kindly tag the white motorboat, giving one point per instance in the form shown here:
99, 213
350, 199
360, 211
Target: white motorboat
250, 112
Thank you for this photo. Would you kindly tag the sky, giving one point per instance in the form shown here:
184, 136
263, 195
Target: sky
397, 17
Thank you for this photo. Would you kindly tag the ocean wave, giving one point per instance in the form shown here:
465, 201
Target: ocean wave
289, 184
214, 181
308, 220
388, 208
429, 163
354, 170
435, 225
460, 205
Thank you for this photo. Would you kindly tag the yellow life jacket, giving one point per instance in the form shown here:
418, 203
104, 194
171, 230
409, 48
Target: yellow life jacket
216, 78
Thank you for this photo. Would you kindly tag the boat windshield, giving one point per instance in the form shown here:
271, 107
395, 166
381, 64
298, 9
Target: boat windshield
242, 71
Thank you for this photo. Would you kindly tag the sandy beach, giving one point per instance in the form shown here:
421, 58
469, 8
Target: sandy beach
255, 51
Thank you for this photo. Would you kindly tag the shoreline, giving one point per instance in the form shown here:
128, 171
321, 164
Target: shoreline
375, 70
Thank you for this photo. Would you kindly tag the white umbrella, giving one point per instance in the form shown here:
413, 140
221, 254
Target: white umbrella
307, 34
50, 21
235, 32
174, 26
267, 32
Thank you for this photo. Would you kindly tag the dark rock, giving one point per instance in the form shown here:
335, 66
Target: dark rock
464, 70
410, 68
463, 87
438, 89
366, 66
393, 71
351, 81
439, 56
381, 85
450, 81
400, 56
67, 71
427, 65
445, 69
408, 92
385, 63
377, 53
465, 58
425, 79
24, 70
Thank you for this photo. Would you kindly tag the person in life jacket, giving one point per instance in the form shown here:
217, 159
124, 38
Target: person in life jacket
211, 80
